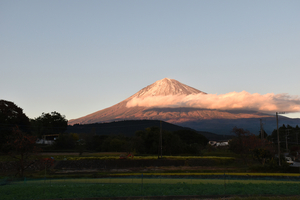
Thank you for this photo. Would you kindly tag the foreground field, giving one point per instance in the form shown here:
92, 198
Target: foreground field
143, 187
227, 177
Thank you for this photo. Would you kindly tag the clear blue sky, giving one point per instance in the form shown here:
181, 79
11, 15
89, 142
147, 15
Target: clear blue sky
78, 57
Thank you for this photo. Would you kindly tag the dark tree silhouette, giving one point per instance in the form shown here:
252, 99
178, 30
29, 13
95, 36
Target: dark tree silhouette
265, 135
11, 116
243, 143
192, 137
49, 123
22, 148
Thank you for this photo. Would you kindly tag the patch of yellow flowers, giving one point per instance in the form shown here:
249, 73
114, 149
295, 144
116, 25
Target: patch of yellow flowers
210, 174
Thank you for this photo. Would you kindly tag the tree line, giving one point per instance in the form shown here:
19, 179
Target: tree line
143, 142
18, 136
265, 149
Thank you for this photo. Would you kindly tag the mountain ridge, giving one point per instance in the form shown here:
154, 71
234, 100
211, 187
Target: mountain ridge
183, 116
129, 127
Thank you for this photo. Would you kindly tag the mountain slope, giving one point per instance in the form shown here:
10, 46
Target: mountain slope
162, 87
119, 111
197, 118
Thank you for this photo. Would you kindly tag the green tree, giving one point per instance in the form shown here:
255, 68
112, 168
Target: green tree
66, 141
289, 133
192, 137
263, 155
192, 142
149, 140
94, 142
49, 123
116, 144
172, 144
138, 142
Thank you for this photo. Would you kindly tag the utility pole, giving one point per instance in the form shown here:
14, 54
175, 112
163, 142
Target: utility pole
287, 133
160, 139
278, 136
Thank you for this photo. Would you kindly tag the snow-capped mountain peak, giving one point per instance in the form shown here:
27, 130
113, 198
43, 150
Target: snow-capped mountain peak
166, 87
165, 91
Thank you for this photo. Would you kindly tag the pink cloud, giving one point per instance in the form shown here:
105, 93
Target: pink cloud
231, 101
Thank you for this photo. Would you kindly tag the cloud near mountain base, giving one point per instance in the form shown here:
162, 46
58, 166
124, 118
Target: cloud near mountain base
268, 103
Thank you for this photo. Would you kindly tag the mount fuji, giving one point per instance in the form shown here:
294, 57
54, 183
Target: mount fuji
159, 101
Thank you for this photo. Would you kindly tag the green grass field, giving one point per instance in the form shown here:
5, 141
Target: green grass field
121, 187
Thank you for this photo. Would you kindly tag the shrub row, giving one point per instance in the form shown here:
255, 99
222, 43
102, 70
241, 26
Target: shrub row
127, 163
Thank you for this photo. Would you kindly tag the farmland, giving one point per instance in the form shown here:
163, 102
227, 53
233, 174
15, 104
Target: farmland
138, 186
125, 178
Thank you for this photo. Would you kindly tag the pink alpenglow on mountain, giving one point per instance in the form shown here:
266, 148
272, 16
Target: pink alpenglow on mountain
174, 102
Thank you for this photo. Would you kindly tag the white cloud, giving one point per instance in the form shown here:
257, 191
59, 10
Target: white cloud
231, 101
